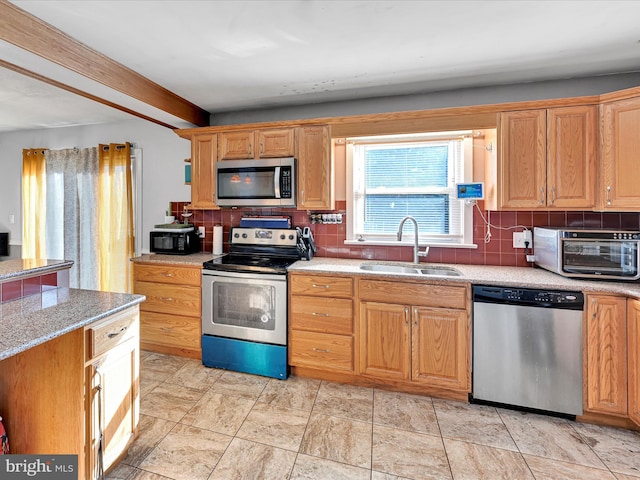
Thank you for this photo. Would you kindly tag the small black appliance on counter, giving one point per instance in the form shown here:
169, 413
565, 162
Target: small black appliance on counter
174, 239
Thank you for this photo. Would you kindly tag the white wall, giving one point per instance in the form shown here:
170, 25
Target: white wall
162, 175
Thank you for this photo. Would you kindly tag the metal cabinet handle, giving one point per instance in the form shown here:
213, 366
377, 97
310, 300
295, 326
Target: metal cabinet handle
122, 330
608, 194
168, 274
320, 286
406, 316
553, 195
320, 314
320, 350
541, 195
166, 299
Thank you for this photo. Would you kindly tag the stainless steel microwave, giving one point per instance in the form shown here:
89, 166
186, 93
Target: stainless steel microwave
588, 253
266, 182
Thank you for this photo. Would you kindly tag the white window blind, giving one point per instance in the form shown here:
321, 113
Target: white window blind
410, 175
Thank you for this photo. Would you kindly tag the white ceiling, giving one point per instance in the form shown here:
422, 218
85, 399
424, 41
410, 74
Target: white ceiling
235, 55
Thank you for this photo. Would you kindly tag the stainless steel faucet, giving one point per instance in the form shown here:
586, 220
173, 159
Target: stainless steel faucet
416, 248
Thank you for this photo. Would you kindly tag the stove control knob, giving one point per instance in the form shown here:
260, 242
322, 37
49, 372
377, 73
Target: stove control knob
236, 235
282, 236
244, 235
290, 237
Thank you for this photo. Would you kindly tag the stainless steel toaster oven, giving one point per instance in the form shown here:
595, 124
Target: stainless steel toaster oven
588, 253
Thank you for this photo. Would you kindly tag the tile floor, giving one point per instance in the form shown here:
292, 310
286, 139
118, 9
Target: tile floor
201, 423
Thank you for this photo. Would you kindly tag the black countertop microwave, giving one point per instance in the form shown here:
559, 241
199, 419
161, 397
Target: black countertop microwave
264, 182
175, 241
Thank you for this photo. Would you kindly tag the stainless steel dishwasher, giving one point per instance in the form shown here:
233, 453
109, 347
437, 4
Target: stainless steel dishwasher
527, 348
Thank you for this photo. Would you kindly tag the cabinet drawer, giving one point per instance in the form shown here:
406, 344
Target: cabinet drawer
168, 274
321, 350
329, 315
175, 299
172, 330
413, 294
322, 286
105, 335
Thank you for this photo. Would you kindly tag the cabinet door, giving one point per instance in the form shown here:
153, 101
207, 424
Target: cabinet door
633, 342
203, 159
236, 145
571, 157
607, 354
114, 404
315, 169
385, 344
522, 159
620, 165
440, 348
275, 143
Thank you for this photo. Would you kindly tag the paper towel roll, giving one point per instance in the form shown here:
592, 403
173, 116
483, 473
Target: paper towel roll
217, 239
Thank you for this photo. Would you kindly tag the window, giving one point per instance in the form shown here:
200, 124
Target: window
396, 176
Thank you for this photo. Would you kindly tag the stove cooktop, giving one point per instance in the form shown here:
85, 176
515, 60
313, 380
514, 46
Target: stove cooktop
234, 262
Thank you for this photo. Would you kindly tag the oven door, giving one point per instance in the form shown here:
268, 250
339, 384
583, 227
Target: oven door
245, 306
613, 259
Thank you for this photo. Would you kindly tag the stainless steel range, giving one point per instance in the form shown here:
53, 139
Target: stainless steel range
244, 301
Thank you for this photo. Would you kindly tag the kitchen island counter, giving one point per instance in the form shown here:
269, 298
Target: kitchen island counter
36, 319
13, 269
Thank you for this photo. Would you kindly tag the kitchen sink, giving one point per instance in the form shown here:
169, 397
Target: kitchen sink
430, 270
376, 267
446, 271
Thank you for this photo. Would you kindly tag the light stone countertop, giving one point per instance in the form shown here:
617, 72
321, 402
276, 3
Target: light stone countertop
525, 277
36, 319
13, 269
191, 259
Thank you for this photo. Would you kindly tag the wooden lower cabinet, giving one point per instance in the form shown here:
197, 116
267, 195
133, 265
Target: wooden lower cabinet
633, 346
94, 374
440, 353
425, 345
410, 336
385, 344
321, 323
606, 355
170, 318
113, 400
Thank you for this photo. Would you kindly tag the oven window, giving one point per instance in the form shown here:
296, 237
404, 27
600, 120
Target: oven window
248, 306
615, 258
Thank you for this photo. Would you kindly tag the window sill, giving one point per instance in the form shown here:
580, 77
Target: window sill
409, 244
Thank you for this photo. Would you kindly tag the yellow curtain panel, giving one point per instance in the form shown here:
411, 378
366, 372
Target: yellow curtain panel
34, 205
115, 213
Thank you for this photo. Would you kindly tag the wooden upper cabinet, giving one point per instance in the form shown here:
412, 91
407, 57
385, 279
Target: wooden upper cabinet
633, 345
547, 158
203, 160
236, 145
267, 143
606, 356
275, 143
315, 169
522, 159
571, 156
620, 162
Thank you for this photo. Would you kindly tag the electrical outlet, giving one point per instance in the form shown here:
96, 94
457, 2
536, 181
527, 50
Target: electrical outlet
201, 232
519, 239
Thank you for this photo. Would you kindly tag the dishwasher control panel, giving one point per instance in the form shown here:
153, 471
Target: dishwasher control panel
529, 296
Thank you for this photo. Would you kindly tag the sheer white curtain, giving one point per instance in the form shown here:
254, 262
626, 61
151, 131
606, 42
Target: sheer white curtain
72, 218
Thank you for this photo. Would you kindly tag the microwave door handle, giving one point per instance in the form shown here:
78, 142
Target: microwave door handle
276, 182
